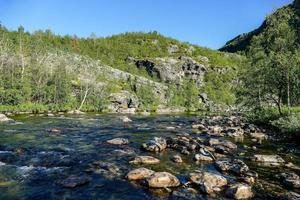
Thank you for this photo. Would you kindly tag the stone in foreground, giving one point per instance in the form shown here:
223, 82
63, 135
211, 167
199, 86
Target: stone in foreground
239, 191
157, 144
140, 173
162, 180
144, 160
208, 182
74, 181
118, 141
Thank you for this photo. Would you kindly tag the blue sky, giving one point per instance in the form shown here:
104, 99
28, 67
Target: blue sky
207, 23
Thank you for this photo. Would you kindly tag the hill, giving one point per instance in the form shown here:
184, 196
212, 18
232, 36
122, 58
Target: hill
122, 73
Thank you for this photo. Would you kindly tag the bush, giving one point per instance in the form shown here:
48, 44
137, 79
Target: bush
288, 124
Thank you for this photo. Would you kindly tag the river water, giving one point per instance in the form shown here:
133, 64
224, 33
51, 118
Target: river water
33, 160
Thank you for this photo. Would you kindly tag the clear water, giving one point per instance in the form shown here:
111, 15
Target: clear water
33, 160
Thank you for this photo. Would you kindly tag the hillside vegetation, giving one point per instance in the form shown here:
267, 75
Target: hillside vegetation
42, 71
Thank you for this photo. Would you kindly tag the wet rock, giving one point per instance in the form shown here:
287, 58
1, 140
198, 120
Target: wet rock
118, 141
225, 143
4, 119
267, 158
236, 166
215, 130
125, 119
235, 132
74, 181
208, 182
258, 136
55, 131
104, 167
177, 159
249, 177
201, 157
239, 191
140, 173
290, 179
162, 180
157, 144
292, 166
144, 160
200, 127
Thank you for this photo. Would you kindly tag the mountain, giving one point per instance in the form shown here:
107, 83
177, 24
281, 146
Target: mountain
123, 73
289, 14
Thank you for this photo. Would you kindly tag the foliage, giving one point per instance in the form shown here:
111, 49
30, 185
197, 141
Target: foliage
288, 124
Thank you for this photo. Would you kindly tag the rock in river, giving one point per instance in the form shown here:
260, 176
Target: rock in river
156, 144
236, 166
267, 159
239, 191
208, 182
140, 173
162, 180
74, 181
145, 160
118, 141
290, 179
4, 119
177, 159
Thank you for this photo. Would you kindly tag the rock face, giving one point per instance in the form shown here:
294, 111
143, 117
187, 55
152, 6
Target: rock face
140, 173
144, 160
267, 159
4, 119
290, 179
208, 182
239, 191
162, 180
118, 141
74, 181
156, 144
123, 102
172, 70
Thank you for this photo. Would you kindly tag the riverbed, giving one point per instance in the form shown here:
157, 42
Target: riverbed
37, 152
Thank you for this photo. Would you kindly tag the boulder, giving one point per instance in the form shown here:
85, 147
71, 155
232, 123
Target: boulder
234, 132
201, 157
156, 144
290, 179
236, 166
140, 173
144, 160
239, 191
177, 159
125, 119
74, 181
123, 101
75, 112
208, 182
4, 119
118, 141
162, 180
267, 159
258, 136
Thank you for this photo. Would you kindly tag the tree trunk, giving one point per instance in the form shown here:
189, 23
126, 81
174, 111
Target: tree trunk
288, 94
84, 98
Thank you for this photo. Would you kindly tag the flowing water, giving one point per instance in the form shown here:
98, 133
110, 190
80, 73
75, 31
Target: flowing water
33, 160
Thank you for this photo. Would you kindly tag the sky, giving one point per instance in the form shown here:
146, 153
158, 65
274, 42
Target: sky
209, 23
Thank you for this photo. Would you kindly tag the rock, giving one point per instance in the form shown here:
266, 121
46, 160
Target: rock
208, 182
204, 98
173, 48
125, 119
165, 110
215, 130
290, 179
162, 180
157, 144
236, 166
267, 159
118, 141
177, 159
258, 136
144, 160
75, 112
198, 126
74, 181
104, 167
201, 157
226, 143
235, 132
123, 102
55, 131
239, 191
292, 166
140, 173
4, 119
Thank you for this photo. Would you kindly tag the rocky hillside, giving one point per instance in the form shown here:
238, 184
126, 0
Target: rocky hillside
124, 73
289, 14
